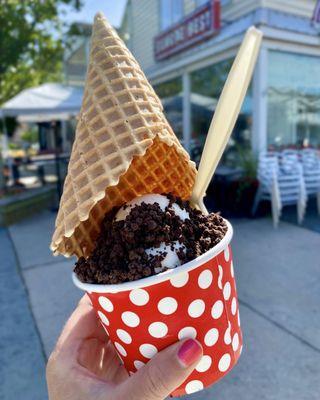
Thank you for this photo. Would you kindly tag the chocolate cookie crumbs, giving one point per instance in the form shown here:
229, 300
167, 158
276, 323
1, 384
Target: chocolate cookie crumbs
120, 256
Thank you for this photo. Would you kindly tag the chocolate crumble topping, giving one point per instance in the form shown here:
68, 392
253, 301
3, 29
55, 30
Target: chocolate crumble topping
119, 254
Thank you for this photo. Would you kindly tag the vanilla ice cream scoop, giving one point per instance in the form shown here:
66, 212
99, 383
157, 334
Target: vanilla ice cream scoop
159, 199
171, 259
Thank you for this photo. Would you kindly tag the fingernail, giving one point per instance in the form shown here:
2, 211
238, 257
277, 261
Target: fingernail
189, 352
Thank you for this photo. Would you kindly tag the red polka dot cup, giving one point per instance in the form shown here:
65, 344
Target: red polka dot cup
197, 300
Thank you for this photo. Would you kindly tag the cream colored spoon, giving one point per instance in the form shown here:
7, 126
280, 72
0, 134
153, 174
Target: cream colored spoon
226, 113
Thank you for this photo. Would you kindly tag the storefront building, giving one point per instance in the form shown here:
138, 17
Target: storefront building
186, 48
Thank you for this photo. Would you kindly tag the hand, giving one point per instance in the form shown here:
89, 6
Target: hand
85, 366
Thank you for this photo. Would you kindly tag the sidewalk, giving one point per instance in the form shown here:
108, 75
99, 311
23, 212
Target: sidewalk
278, 287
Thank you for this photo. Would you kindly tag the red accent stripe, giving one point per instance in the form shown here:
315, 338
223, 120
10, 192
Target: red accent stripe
216, 14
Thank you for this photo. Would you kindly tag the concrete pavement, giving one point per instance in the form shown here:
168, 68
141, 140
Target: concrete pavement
278, 285
22, 359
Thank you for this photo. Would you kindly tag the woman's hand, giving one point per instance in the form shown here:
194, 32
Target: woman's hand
85, 366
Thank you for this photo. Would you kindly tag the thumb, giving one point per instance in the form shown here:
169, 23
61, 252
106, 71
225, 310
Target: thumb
164, 372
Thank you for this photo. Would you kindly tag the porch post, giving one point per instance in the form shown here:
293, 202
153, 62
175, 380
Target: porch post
260, 106
186, 111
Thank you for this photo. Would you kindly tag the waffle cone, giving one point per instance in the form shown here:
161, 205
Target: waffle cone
124, 146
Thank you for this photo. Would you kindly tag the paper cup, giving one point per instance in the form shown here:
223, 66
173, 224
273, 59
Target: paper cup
197, 300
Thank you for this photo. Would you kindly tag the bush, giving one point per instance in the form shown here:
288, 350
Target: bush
30, 136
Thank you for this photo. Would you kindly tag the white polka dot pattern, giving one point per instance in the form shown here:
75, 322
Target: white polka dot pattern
196, 308
103, 318
226, 254
217, 309
211, 337
180, 280
106, 304
194, 386
224, 362
120, 349
158, 329
138, 364
204, 364
220, 277
168, 305
187, 333
227, 335
227, 291
139, 297
235, 342
231, 269
148, 350
205, 279
130, 319
124, 336
234, 306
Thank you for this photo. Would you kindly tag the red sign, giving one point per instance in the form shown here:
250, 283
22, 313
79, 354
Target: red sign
203, 23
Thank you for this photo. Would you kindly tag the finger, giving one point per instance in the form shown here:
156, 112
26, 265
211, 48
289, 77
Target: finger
82, 324
102, 360
164, 373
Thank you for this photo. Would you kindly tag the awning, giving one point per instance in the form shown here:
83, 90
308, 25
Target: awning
50, 101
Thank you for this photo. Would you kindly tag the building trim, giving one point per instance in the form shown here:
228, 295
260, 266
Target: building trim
259, 103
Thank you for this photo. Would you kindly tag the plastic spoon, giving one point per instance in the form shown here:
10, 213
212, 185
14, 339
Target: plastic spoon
226, 113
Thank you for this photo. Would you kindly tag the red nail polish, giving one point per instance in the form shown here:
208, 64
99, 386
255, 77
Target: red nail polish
189, 352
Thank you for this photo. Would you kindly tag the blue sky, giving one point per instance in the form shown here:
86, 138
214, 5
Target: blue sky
113, 10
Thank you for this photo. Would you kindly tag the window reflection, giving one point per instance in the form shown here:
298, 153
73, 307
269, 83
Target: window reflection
171, 11
206, 87
170, 93
293, 100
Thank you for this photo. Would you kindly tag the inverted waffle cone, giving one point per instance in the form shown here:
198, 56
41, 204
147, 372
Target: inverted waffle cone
124, 146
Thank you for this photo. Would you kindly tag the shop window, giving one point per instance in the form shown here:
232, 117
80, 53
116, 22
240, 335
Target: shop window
170, 93
293, 100
171, 11
206, 87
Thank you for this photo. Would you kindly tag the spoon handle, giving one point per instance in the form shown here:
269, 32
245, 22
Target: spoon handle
226, 113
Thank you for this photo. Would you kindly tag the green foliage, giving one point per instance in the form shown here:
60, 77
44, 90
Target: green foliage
30, 136
246, 161
14, 146
31, 44
169, 88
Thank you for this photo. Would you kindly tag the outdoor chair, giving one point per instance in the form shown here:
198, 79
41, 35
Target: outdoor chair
311, 173
268, 187
281, 182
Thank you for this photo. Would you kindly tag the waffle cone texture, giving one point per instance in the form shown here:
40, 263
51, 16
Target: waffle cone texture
124, 147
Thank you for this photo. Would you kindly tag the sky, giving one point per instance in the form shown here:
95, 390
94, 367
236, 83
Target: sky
113, 10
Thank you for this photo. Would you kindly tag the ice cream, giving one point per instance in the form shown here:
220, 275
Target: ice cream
147, 236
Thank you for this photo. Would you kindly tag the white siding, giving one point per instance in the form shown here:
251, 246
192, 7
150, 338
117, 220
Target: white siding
303, 8
189, 6
145, 25
237, 8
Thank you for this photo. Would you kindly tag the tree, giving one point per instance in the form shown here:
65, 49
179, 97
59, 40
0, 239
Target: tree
31, 43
